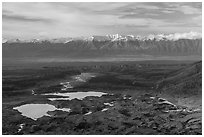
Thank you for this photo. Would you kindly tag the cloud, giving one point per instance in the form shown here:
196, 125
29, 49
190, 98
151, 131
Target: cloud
168, 11
6, 11
189, 9
25, 18
64, 19
190, 35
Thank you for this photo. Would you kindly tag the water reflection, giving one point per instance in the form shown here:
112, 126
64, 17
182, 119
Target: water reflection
75, 95
35, 111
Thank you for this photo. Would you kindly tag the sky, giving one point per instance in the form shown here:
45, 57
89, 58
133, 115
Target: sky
58, 19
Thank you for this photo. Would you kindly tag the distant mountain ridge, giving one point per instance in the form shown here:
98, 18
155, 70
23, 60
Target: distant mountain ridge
185, 44
116, 37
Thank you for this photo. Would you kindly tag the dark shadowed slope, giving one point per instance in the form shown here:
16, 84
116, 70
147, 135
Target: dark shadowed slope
186, 81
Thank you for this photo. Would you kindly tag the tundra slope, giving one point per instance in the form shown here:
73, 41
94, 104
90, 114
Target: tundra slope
133, 109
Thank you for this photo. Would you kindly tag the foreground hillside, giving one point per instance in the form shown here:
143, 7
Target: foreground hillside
187, 81
134, 98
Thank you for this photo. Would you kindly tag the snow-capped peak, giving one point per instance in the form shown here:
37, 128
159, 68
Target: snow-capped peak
150, 37
132, 36
116, 37
35, 40
89, 38
4, 40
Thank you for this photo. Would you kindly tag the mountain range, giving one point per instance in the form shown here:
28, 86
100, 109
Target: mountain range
116, 37
178, 44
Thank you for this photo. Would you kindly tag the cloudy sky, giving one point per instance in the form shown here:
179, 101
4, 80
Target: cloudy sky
52, 20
